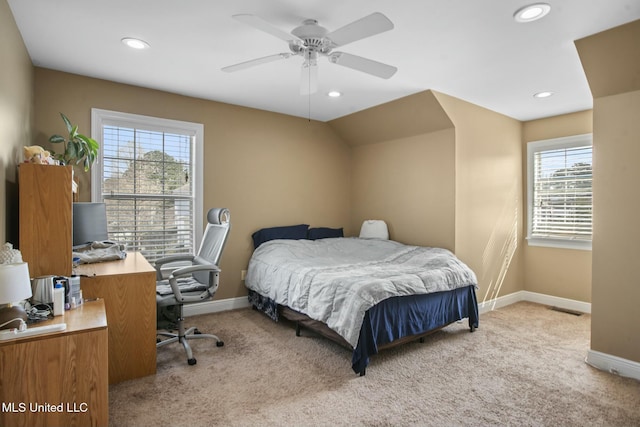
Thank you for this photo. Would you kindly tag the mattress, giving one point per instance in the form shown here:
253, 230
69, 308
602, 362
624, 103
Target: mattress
337, 280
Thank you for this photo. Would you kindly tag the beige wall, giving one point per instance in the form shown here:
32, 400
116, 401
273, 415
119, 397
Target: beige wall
410, 184
403, 169
564, 273
616, 283
488, 195
611, 60
455, 182
16, 112
268, 169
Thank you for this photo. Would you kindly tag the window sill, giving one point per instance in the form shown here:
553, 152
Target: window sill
559, 243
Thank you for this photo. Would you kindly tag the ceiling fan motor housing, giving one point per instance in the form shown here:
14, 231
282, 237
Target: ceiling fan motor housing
313, 36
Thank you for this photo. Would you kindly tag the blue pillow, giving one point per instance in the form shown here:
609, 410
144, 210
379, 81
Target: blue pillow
324, 232
291, 232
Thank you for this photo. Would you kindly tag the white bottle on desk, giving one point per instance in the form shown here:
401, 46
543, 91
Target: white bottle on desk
58, 299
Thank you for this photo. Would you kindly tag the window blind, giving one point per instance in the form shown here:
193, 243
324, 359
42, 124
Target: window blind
147, 185
562, 193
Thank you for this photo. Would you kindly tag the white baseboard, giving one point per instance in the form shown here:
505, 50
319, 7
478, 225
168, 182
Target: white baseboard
613, 364
215, 306
503, 301
568, 304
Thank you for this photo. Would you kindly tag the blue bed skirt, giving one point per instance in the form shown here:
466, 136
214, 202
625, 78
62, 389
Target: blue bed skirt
405, 316
398, 317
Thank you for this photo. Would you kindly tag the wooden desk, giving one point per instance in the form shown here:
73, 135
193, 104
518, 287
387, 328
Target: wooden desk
64, 370
128, 288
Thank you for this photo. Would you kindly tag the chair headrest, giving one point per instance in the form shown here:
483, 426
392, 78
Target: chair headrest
218, 216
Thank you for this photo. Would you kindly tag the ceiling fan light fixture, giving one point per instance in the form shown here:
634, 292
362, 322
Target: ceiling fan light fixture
135, 43
532, 12
543, 94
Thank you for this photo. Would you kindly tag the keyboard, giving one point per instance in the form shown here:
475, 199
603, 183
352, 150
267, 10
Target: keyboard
9, 334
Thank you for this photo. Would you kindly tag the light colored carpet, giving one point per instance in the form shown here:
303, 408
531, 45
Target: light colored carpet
523, 366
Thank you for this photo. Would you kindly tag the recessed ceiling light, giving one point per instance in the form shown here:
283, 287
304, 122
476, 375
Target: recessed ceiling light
135, 43
533, 12
544, 94
334, 94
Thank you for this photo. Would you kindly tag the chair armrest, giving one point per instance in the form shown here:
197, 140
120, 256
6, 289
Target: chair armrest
169, 259
188, 271
182, 271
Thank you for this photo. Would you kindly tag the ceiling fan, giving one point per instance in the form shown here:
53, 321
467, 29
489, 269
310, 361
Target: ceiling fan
310, 41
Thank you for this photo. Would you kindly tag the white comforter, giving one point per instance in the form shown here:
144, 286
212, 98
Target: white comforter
336, 280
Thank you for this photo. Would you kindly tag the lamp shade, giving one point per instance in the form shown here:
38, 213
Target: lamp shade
15, 284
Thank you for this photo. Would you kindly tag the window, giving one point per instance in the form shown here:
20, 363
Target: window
149, 174
560, 192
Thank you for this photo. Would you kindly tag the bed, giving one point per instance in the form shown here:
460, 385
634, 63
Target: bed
366, 294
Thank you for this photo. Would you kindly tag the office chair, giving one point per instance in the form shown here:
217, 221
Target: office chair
194, 280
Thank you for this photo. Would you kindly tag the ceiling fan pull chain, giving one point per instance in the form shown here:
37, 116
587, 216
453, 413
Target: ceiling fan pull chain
309, 83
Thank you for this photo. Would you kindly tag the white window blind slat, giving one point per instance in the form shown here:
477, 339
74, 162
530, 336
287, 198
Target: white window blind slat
147, 185
560, 187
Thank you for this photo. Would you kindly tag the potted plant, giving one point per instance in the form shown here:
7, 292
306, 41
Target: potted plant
77, 147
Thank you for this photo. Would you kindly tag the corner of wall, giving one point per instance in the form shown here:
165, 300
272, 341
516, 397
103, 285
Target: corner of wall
488, 195
16, 98
403, 168
611, 60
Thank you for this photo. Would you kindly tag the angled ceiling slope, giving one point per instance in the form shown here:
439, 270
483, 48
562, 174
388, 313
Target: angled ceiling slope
612, 71
412, 115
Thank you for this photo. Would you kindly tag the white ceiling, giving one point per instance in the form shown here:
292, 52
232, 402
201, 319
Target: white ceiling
470, 49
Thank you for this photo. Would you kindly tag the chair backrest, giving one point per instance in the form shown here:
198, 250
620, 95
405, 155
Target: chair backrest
213, 239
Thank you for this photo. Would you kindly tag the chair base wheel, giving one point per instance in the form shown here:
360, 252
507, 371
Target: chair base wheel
192, 361
219, 343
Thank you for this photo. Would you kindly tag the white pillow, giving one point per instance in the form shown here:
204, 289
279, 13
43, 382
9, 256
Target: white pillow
374, 229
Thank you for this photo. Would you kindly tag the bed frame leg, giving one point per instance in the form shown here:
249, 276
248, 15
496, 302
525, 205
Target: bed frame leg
364, 371
421, 340
298, 329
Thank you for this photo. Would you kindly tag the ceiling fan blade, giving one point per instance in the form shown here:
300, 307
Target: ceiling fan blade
261, 24
365, 65
254, 62
309, 78
368, 26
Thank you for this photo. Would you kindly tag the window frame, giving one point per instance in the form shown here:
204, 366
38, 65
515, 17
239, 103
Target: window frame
101, 118
534, 147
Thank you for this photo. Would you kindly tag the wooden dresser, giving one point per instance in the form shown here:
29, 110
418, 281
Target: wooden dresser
58, 378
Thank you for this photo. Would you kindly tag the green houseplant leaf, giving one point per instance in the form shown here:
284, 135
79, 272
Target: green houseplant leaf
77, 148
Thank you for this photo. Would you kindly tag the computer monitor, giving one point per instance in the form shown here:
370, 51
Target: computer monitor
89, 223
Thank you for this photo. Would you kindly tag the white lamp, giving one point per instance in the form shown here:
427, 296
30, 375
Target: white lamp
15, 286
